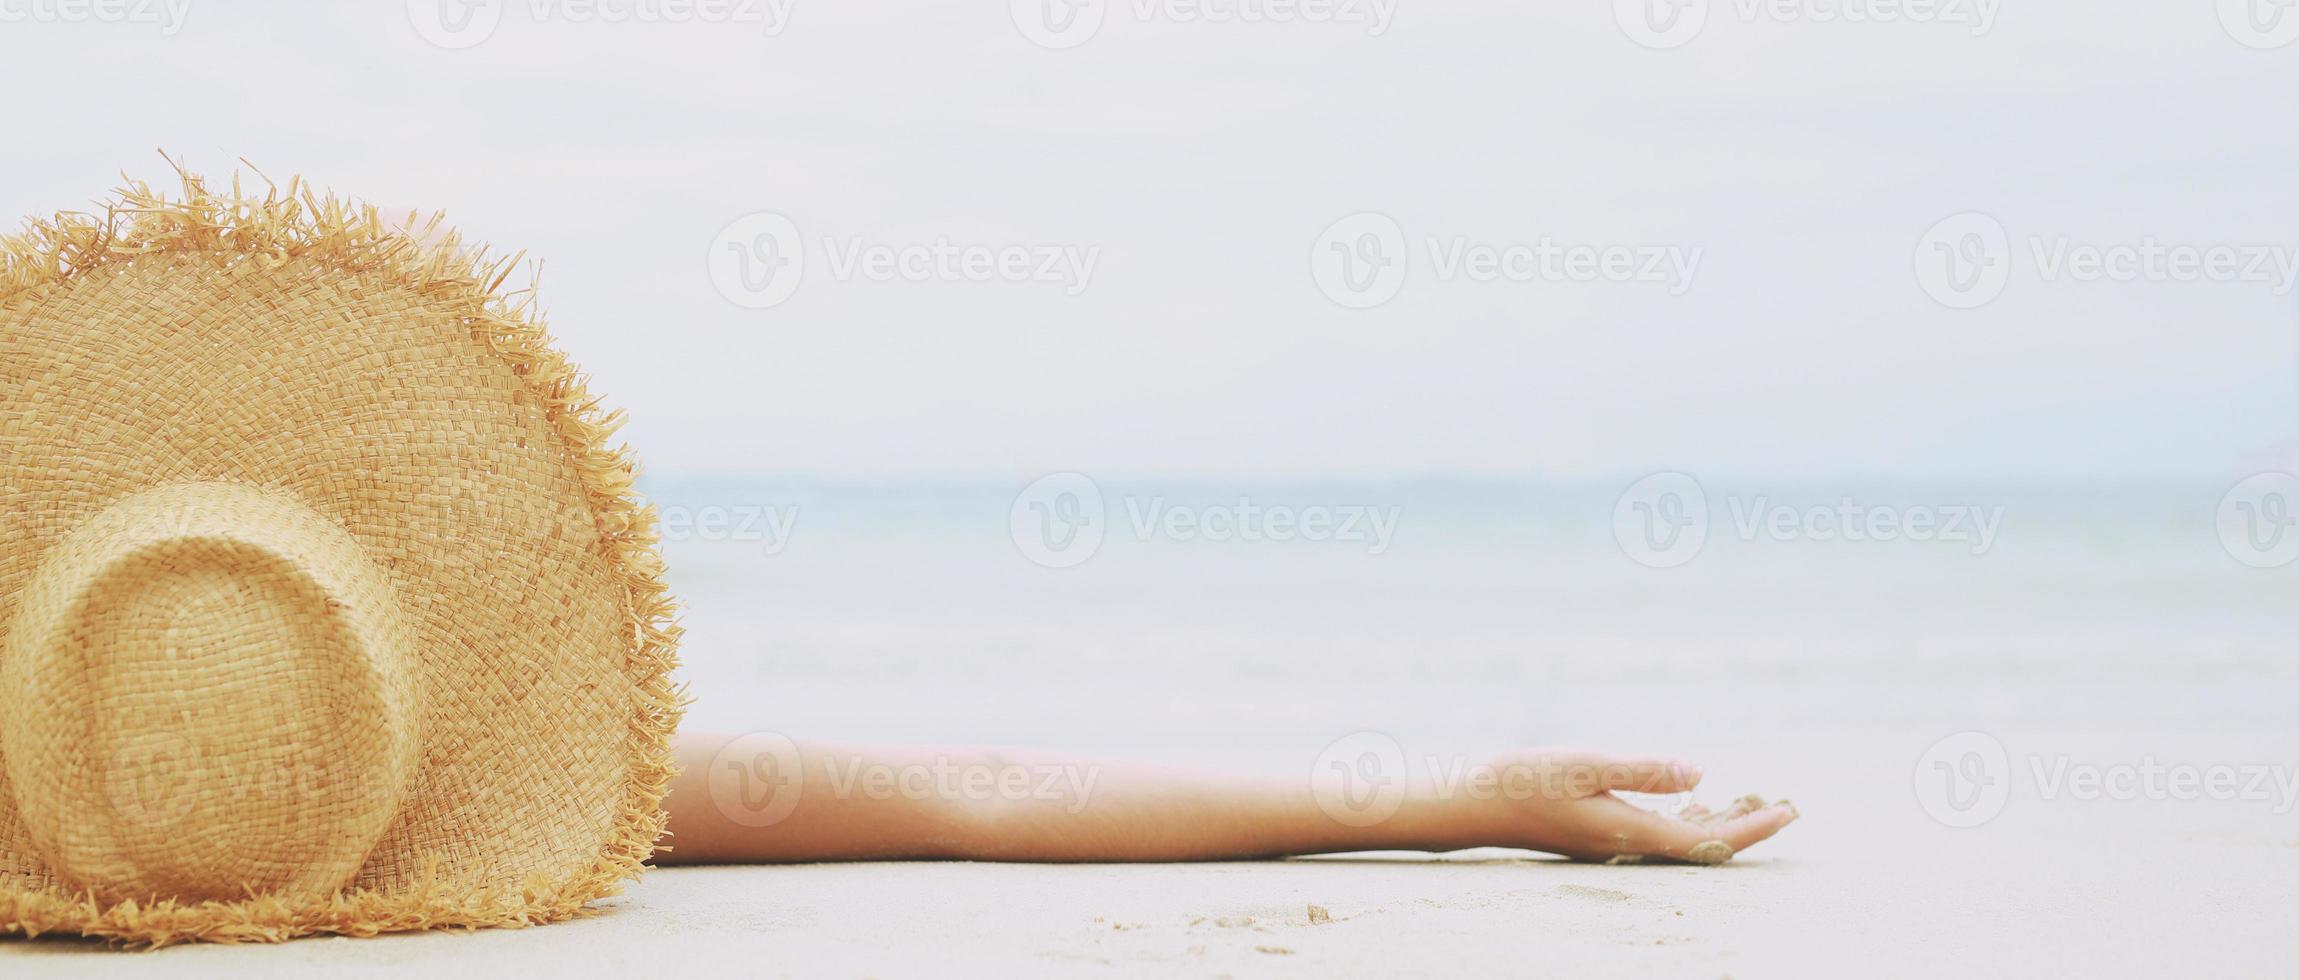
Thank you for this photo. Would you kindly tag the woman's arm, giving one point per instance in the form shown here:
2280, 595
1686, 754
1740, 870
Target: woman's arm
766, 799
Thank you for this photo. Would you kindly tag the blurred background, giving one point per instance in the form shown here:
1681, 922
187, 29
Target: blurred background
1751, 381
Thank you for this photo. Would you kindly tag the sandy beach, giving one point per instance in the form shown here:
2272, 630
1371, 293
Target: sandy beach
1865, 884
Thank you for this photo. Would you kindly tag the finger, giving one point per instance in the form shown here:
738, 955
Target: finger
1757, 826
1737, 808
1632, 774
1727, 838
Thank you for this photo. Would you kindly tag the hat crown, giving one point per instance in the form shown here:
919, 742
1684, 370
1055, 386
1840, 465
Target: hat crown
227, 695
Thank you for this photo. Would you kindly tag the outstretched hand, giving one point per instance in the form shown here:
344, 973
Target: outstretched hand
1562, 801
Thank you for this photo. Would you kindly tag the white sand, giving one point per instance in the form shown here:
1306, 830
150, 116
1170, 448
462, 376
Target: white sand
1864, 884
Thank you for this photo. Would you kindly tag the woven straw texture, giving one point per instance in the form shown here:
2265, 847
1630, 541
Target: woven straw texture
325, 605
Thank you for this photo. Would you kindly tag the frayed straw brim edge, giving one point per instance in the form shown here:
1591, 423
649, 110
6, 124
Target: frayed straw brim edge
293, 222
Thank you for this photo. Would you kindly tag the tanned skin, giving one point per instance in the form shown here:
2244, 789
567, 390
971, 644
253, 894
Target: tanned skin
746, 801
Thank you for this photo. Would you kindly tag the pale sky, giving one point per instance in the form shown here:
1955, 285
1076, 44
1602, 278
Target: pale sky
1198, 162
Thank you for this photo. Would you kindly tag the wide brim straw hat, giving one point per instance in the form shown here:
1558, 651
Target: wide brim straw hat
325, 604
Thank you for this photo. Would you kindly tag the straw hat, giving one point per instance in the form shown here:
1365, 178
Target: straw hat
325, 606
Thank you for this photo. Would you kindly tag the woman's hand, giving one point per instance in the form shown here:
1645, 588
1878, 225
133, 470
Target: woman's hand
1561, 801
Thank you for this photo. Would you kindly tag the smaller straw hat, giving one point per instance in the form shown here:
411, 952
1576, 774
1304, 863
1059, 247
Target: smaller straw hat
325, 606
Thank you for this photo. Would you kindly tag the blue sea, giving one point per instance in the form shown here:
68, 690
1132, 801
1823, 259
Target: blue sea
1201, 626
